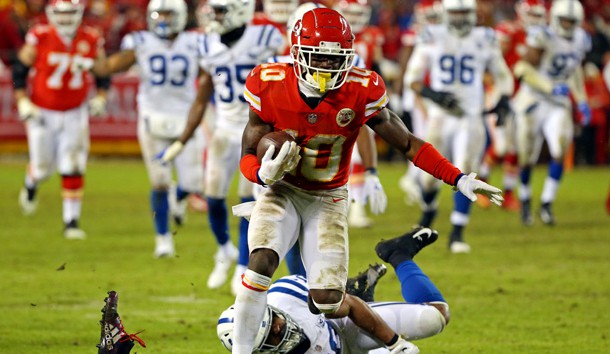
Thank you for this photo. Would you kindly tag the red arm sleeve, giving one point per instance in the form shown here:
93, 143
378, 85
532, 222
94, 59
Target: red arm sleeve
249, 168
431, 161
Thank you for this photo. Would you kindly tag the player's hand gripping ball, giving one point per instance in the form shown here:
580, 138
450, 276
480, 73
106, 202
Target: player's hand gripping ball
277, 139
278, 154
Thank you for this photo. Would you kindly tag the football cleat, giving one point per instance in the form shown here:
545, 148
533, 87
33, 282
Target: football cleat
73, 232
408, 244
363, 284
113, 338
526, 213
164, 246
28, 206
222, 264
459, 247
546, 214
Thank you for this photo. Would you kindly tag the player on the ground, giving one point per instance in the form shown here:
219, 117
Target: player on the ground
511, 37
550, 70
291, 327
56, 112
457, 54
168, 60
231, 49
323, 101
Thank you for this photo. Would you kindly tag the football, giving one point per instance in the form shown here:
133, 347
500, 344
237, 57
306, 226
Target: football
277, 138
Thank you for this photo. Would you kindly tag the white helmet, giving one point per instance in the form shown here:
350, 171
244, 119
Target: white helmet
279, 11
166, 17
356, 12
222, 16
292, 334
568, 12
460, 16
65, 15
297, 15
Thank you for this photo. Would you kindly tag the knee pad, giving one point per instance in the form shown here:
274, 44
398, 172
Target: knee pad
316, 308
433, 320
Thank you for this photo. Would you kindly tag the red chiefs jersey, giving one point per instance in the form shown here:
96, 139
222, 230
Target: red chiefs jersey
326, 133
513, 33
60, 80
261, 19
365, 43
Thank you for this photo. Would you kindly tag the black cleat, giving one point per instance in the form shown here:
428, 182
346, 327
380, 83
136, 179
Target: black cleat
546, 214
405, 246
363, 285
526, 213
114, 339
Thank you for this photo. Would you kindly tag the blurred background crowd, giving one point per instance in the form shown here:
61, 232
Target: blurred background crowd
115, 18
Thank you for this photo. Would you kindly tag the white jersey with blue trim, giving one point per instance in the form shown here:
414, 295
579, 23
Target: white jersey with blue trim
168, 70
289, 294
231, 65
456, 64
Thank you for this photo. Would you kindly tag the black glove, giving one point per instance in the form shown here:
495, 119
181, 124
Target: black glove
502, 110
446, 100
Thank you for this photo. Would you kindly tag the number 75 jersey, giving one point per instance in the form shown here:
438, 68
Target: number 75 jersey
456, 64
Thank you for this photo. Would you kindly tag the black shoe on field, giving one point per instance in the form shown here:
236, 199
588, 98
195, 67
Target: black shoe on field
363, 285
405, 247
526, 213
114, 339
546, 214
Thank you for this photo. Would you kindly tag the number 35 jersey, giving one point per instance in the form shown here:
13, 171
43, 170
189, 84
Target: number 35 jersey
327, 132
456, 64
168, 70
230, 66
61, 67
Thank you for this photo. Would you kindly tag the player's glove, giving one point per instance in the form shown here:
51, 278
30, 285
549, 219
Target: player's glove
169, 153
560, 90
396, 103
502, 110
97, 106
27, 110
585, 112
403, 347
373, 192
470, 186
273, 169
446, 100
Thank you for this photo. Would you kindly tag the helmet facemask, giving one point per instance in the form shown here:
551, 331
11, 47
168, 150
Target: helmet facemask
166, 19
65, 16
329, 76
460, 21
223, 16
566, 16
531, 14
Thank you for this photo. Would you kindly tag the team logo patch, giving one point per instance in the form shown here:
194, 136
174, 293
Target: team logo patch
82, 47
345, 116
312, 118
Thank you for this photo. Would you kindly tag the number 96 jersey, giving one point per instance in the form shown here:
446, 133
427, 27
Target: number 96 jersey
230, 66
326, 132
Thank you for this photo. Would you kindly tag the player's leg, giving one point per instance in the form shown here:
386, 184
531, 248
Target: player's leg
189, 170
223, 159
294, 261
72, 153
245, 192
160, 177
41, 148
274, 227
490, 157
558, 132
510, 167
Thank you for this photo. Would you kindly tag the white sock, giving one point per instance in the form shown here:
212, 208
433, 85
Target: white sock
228, 249
71, 209
549, 191
525, 192
510, 180
250, 306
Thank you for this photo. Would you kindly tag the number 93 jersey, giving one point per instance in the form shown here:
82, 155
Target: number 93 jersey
457, 64
168, 70
230, 66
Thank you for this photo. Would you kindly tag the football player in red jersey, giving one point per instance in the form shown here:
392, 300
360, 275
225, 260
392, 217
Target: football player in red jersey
511, 36
56, 113
323, 101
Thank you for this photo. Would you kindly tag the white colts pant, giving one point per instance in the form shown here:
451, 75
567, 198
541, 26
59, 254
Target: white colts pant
58, 139
461, 140
284, 214
188, 164
224, 154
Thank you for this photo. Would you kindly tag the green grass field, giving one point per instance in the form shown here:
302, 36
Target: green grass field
522, 290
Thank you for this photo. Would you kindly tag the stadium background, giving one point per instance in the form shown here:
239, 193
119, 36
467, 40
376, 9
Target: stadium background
115, 134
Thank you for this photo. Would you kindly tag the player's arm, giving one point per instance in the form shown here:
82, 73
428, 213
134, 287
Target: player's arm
255, 129
118, 62
97, 104
526, 70
25, 59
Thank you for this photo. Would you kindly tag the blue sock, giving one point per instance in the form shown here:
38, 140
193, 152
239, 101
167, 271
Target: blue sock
461, 203
429, 197
555, 170
181, 193
524, 175
244, 251
160, 208
217, 214
415, 285
294, 261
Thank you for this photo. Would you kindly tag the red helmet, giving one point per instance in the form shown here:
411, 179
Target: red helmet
428, 12
65, 15
531, 12
322, 49
357, 13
